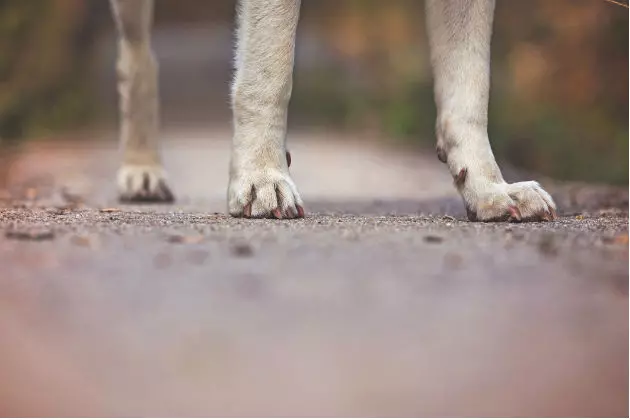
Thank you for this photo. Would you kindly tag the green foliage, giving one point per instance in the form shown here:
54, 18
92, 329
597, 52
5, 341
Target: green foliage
559, 99
43, 62
559, 142
410, 112
325, 99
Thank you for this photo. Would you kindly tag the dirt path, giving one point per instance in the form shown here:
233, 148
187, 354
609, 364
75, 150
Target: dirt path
383, 302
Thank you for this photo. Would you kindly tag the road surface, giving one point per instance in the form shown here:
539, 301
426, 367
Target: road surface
384, 301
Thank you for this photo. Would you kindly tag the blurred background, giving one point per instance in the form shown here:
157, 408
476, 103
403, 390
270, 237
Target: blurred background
558, 107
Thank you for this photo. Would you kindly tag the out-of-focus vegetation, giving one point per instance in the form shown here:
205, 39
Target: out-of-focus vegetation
44, 50
559, 101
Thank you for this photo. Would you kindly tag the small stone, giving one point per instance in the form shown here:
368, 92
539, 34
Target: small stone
242, 250
83, 241
58, 211
31, 235
184, 239
548, 246
516, 235
433, 239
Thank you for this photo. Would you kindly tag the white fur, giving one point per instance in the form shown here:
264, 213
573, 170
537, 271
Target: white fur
459, 36
141, 176
260, 184
259, 173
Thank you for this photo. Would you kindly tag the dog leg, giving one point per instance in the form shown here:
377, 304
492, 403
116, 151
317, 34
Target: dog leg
260, 183
459, 35
141, 176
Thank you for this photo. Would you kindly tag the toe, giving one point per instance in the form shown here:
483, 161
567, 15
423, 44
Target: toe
518, 202
143, 184
534, 203
265, 201
287, 200
269, 199
515, 214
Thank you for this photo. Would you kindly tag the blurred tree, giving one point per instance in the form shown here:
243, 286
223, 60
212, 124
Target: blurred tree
44, 55
559, 101
194, 11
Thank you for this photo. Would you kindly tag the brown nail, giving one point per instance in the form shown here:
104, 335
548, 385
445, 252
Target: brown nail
460, 179
515, 213
441, 154
471, 214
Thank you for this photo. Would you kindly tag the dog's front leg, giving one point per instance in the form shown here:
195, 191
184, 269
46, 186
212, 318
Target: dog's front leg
260, 184
141, 176
459, 36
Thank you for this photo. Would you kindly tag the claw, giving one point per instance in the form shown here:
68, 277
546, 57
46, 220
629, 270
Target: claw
247, 210
300, 211
554, 215
277, 213
515, 213
162, 194
546, 216
460, 179
441, 154
472, 215
165, 192
291, 213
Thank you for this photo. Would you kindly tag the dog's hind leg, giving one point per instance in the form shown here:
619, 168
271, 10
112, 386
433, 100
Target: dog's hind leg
459, 36
141, 176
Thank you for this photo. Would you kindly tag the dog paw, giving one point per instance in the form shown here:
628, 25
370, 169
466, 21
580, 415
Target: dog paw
517, 202
143, 184
265, 193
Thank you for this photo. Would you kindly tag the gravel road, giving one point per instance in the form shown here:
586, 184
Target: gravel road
384, 301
